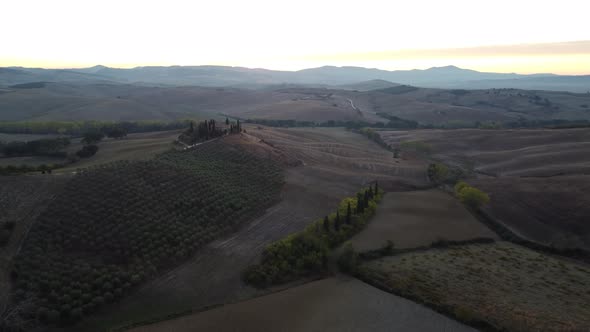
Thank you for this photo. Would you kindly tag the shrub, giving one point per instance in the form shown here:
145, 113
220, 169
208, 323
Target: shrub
348, 260
471, 196
87, 151
437, 172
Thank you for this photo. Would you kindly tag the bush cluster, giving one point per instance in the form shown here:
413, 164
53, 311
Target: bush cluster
470, 196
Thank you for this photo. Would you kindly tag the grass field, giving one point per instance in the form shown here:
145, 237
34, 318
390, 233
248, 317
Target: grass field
418, 218
510, 287
142, 146
326, 305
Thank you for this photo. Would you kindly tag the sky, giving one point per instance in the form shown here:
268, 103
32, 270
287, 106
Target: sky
522, 36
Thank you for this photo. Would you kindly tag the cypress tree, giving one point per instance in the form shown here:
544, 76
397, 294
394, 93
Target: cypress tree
376, 188
226, 121
239, 128
326, 224
348, 214
360, 206
366, 200
337, 221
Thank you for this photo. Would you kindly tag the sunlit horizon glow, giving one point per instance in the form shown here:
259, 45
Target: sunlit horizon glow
508, 36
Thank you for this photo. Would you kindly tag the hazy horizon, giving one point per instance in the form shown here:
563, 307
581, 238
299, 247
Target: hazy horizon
521, 37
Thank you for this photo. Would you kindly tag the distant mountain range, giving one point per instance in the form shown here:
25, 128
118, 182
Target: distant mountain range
343, 77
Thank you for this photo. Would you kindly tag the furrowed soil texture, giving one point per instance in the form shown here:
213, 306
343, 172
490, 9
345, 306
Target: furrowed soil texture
508, 286
537, 179
326, 305
418, 218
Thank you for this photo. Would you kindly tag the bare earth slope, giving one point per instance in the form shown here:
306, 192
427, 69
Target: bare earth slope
325, 305
538, 179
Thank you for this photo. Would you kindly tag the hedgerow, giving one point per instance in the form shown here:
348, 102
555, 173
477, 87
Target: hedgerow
306, 252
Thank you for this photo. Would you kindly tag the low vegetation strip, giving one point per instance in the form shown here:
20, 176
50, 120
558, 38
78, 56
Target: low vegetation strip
306, 252
496, 286
117, 225
77, 128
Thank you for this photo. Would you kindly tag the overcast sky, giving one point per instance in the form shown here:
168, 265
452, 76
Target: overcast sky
299, 34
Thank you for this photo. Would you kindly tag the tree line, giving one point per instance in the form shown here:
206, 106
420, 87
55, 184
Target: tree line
208, 129
306, 252
77, 128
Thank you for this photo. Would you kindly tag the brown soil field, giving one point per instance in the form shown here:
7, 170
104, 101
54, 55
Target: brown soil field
537, 179
553, 211
22, 198
327, 171
113, 102
342, 153
511, 287
326, 305
418, 218
518, 152
465, 107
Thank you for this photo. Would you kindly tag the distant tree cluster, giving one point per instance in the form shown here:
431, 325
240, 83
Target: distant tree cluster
22, 169
87, 151
77, 128
375, 137
437, 172
306, 252
206, 130
117, 225
52, 147
470, 196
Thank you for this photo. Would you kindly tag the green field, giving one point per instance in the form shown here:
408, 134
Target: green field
509, 287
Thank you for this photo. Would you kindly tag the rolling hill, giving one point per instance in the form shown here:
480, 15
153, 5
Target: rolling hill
439, 77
